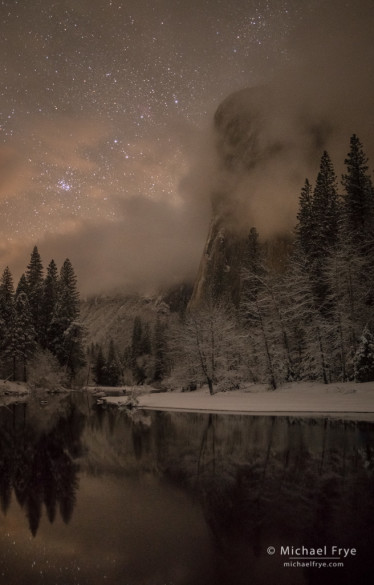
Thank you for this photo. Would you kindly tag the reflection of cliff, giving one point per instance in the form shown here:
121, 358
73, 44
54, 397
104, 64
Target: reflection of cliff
39, 467
259, 480
272, 480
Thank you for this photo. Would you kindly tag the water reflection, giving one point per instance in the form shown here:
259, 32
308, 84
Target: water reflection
37, 464
201, 497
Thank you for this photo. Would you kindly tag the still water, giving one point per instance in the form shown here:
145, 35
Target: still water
90, 496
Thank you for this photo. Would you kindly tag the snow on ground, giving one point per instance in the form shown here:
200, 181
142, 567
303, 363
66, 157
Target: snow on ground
348, 400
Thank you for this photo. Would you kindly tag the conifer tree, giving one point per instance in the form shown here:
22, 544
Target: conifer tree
251, 274
6, 295
325, 210
113, 366
71, 353
306, 224
34, 279
50, 297
100, 367
140, 351
68, 290
22, 286
23, 341
364, 358
7, 317
65, 333
359, 194
358, 214
160, 351
137, 350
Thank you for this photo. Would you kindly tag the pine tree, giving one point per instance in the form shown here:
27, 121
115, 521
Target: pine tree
113, 366
68, 290
306, 225
364, 358
325, 210
7, 317
34, 279
22, 286
23, 342
71, 354
160, 351
6, 295
137, 350
358, 214
65, 333
251, 274
359, 194
100, 367
309, 327
50, 297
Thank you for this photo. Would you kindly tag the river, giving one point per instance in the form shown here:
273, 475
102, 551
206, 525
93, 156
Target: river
93, 496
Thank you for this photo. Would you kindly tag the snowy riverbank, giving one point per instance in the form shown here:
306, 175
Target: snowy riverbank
347, 400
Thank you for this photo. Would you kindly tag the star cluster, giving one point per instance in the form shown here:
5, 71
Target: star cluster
98, 96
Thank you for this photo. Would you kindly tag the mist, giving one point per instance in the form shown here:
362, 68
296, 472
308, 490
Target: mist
270, 138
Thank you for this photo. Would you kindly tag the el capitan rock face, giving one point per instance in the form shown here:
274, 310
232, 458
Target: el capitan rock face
245, 147
219, 275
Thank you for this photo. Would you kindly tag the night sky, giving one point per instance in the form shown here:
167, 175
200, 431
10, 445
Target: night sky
106, 110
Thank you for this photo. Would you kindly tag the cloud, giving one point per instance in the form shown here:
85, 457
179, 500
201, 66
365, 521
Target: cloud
148, 246
270, 138
15, 173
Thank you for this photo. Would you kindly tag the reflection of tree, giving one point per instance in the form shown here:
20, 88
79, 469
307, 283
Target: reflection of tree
204, 447
5, 485
39, 468
262, 480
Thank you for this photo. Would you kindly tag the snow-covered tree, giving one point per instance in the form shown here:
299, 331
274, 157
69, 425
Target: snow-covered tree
65, 333
7, 318
24, 335
305, 219
358, 198
309, 327
100, 367
113, 367
49, 301
22, 286
140, 352
161, 365
364, 358
34, 279
44, 371
68, 291
207, 348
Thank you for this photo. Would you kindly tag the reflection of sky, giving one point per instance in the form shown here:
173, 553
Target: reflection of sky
122, 531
